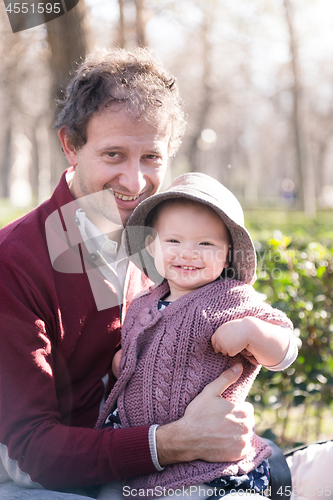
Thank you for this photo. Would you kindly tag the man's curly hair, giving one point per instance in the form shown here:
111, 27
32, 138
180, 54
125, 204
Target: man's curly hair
136, 80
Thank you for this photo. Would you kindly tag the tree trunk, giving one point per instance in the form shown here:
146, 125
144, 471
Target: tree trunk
206, 99
122, 38
6, 161
306, 185
35, 164
140, 23
67, 39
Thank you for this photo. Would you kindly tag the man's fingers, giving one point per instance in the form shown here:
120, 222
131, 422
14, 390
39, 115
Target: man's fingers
226, 378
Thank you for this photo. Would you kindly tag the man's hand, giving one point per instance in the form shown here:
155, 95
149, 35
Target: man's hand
232, 337
212, 428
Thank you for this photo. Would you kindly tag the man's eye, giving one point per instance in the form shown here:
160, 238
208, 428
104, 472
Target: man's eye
113, 154
152, 157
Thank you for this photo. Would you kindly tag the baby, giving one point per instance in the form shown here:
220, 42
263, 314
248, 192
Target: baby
200, 320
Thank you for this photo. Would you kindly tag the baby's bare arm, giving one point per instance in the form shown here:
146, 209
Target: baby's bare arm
268, 343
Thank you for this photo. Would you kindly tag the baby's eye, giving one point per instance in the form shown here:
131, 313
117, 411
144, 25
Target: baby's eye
206, 243
173, 241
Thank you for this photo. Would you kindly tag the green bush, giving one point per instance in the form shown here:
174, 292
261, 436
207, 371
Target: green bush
295, 273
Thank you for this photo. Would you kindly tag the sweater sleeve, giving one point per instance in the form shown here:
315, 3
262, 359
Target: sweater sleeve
39, 444
243, 301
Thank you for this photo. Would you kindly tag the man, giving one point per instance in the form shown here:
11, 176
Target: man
64, 280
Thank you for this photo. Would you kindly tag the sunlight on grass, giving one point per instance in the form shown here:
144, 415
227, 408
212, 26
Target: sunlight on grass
299, 425
9, 213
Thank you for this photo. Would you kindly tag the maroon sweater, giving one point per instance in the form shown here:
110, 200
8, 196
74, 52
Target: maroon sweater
55, 348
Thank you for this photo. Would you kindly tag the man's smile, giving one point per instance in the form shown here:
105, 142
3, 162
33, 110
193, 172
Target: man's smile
125, 197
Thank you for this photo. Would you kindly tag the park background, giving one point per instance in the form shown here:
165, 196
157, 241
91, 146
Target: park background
257, 80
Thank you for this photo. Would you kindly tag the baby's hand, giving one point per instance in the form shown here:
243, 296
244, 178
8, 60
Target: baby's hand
115, 363
231, 338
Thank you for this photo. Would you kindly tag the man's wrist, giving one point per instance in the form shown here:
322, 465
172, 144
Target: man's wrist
173, 443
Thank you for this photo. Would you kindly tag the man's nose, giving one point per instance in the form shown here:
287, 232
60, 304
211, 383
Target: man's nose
132, 177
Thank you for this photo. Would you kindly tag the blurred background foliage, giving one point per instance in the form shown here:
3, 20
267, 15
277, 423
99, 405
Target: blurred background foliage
295, 274
256, 77
257, 80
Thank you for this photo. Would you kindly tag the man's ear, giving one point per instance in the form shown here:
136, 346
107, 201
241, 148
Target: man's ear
149, 244
67, 147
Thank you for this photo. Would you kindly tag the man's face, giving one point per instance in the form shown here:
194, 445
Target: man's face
123, 160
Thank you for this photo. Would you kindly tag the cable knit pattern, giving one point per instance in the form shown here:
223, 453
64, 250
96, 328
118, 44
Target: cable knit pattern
167, 359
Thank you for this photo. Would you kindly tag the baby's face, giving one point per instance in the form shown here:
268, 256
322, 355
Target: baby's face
192, 246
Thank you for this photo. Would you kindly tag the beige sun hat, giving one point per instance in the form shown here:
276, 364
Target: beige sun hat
204, 189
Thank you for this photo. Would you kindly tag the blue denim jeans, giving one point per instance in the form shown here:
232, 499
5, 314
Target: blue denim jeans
11, 491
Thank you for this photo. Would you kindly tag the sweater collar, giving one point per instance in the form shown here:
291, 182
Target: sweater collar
62, 195
160, 291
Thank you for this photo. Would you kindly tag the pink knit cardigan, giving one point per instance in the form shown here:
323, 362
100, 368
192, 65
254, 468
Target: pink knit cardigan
167, 359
